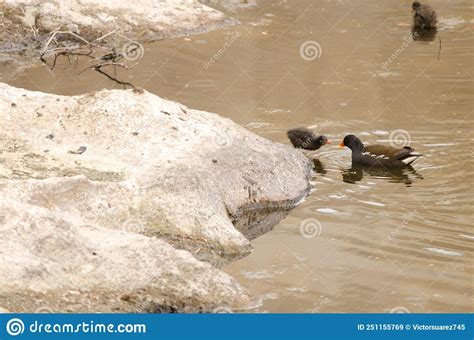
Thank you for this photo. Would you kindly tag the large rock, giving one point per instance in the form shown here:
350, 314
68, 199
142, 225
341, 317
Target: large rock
149, 165
145, 19
26, 26
106, 172
49, 263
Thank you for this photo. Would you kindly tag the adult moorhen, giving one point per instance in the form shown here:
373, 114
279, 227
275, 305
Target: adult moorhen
379, 155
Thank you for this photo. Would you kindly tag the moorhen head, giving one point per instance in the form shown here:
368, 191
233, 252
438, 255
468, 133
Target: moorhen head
379, 155
415, 5
424, 16
303, 138
353, 143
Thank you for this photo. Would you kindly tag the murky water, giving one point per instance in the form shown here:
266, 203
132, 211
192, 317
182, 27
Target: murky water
363, 241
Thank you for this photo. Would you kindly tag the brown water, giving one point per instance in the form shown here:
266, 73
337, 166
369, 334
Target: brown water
374, 241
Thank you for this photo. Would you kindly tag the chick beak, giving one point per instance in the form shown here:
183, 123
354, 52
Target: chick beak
328, 142
341, 145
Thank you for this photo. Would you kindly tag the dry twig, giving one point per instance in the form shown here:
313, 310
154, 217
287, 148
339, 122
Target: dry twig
86, 49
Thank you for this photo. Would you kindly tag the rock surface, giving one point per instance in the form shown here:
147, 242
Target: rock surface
26, 26
50, 264
145, 20
110, 172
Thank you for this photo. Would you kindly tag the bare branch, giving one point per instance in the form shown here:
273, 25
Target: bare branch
124, 83
86, 48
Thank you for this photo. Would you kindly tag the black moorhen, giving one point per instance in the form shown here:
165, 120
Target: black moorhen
303, 138
424, 16
379, 155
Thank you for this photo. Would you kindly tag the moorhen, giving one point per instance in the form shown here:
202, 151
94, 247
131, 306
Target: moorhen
424, 16
379, 155
303, 138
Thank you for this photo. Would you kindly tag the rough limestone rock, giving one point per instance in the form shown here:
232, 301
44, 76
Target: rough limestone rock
148, 165
94, 189
51, 264
145, 19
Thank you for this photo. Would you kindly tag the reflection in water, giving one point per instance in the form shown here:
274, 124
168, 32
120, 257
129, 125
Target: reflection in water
254, 223
319, 167
423, 34
400, 175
